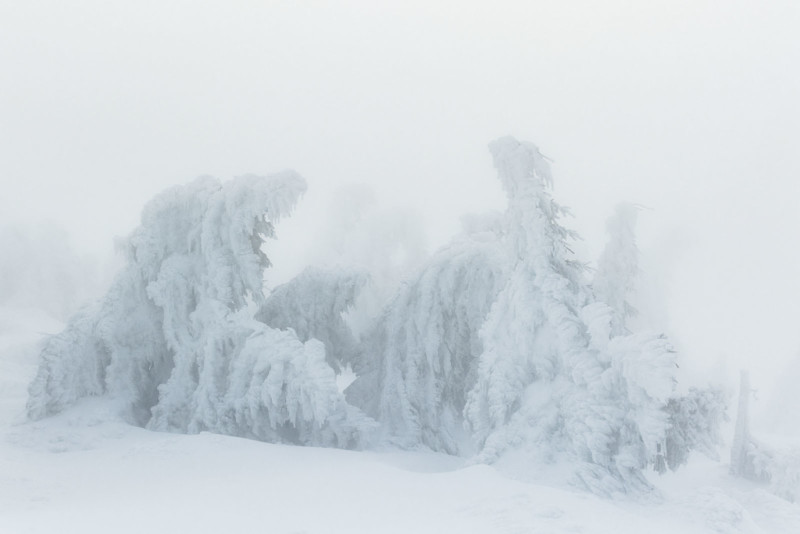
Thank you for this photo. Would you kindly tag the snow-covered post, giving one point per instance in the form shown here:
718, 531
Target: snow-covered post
740, 463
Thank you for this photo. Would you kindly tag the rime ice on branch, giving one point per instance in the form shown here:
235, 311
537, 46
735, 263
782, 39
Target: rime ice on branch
313, 304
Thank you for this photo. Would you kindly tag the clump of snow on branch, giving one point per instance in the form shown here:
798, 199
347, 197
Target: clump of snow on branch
313, 304
174, 342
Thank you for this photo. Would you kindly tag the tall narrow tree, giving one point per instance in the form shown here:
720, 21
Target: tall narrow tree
618, 267
553, 380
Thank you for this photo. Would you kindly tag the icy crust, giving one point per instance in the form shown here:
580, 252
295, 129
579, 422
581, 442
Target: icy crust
174, 343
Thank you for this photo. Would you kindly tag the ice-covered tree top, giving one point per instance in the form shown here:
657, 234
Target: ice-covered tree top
532, 226
519, 162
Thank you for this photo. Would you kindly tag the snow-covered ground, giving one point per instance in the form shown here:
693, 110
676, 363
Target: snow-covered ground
87, 472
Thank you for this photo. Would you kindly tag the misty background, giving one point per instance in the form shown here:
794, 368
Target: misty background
688, 108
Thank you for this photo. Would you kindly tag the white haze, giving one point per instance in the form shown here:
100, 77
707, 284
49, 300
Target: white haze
685, 107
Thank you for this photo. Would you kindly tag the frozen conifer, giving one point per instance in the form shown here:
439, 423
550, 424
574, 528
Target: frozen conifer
174, 341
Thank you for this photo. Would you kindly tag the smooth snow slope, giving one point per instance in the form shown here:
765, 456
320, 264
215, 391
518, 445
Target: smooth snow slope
87, 472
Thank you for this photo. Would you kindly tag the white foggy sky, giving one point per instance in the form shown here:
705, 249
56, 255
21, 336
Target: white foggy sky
687, 107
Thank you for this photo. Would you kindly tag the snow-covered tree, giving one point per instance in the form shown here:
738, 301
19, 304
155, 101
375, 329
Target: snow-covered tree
749, 457
542, 286
174, 341
500, 333
693, 418
618, 266
775, 464
553, 379
418, 362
